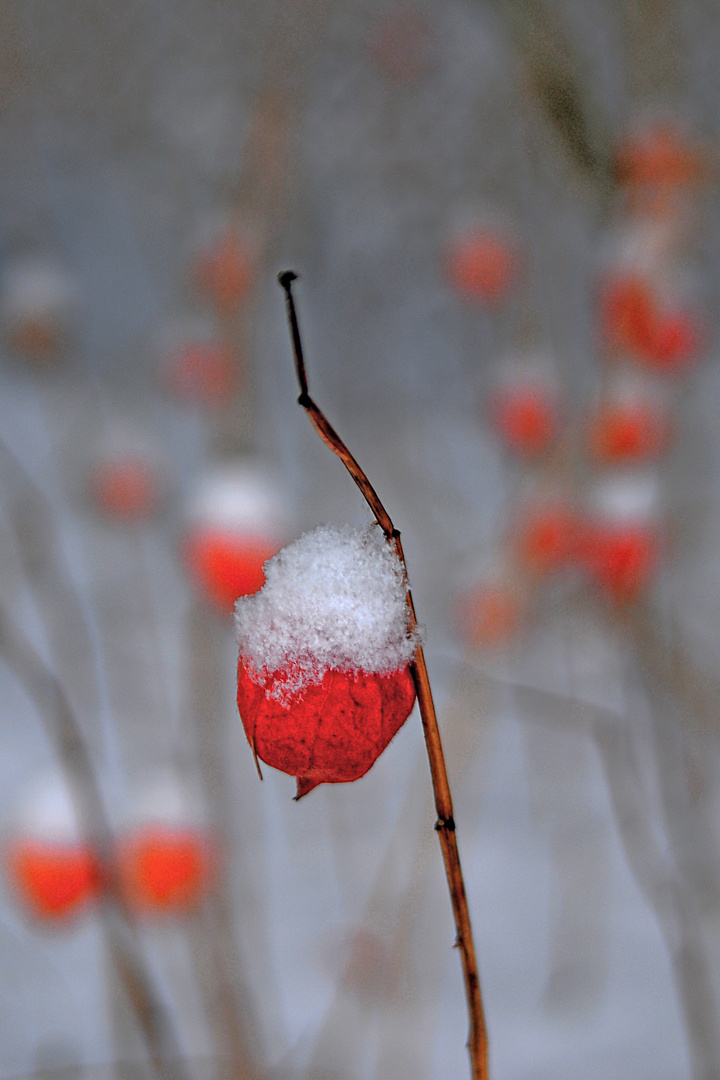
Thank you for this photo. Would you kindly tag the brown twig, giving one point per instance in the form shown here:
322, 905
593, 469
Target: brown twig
445, 824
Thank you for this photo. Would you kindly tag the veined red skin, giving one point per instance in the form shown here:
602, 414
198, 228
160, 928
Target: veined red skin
334, 731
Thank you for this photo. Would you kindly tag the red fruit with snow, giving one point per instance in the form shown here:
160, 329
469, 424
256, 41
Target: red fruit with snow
53, 869
55, 880
38, 307
331, 733
324, 681
622, 538
237, 520
227, 564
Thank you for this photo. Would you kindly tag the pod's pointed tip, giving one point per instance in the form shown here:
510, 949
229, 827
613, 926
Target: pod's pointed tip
305, 784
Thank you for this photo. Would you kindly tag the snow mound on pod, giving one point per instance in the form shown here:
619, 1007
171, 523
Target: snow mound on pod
333, 600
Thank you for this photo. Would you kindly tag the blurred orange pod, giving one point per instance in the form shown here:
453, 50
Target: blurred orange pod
524, 407
38, 307
224, 265
622, 539
483, 257
126, 482
631, 424
237, 519
167, 858
52, 869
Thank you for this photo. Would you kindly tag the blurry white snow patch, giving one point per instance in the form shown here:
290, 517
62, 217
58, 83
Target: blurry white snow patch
241, 497
334, 599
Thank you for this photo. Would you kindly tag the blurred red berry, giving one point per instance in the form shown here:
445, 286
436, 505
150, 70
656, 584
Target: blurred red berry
165, 870
526, 418
622, 558
545, 537
490, 615
126, 487
224, 272
659, 155
628, 432
203, 372
56, 881
627, 314
483, 264
225, 563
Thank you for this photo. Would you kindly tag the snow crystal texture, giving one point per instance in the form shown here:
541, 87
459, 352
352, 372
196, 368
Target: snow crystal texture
333, 600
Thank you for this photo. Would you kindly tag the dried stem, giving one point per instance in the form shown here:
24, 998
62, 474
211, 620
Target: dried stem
445, 824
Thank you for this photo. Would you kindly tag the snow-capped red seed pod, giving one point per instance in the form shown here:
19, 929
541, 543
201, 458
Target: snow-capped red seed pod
167, 857
126, 481
524, 406
51, 867
324, 681
237, 519
622, 537
38, 307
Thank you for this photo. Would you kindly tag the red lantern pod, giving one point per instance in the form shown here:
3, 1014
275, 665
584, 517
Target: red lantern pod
631, 424
524, 407
165, 870
224, 269
53, 871
324, 681
491, 614
167, 859
237, 519
482, 257
55, 881
38, 307
622, 543
126, 487
545, 535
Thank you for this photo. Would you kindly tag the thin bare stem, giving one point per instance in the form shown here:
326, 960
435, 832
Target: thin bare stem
445, 824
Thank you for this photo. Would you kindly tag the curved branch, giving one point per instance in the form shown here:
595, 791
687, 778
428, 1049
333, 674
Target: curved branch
445, 825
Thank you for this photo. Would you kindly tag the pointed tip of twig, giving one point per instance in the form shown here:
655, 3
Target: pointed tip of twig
286, 278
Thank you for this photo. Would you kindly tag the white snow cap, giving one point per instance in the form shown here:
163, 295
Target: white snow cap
334, 599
